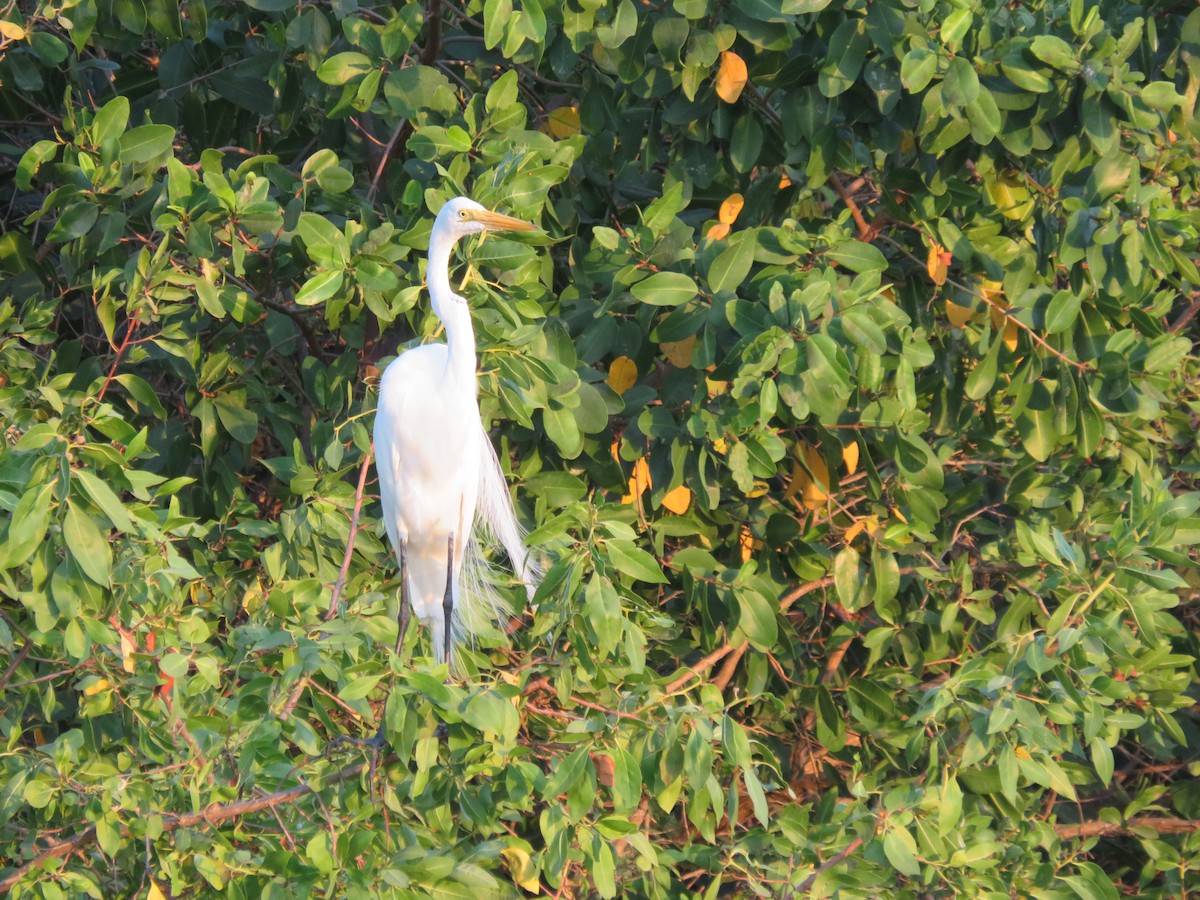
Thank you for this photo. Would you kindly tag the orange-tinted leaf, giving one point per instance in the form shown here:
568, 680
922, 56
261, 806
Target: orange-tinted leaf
622, 374
731, 208
678, 500
1010, 336
731, 77
679, 353
816, 491
719, 232
640, 482
563, 122
102, 685
854, 531
720, 446
850, 457
958, 315
616, 449
784, 182
747, 543
936, 263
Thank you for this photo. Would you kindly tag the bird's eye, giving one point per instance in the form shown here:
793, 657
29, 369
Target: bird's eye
462, 213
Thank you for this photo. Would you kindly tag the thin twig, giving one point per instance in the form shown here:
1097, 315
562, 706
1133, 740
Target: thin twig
703, 665
340, 585
808, 882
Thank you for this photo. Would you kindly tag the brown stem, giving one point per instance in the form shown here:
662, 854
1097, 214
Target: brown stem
212, 814
340, 585
864, 230
808, 882
1108, 829
1187, 315
112, 372
697, 670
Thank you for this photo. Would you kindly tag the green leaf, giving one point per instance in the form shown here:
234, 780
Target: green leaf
492, 713
145, 143
665, 289
1062, 311
87, 545
858, 257
634, 561
847, 51
756, 618
28, 525
961, 84
77, 220
110, 120
105, 498
320, 287
359, 687
1161, 95
731, 267
917, 69
901, 851
343, 67
849, 580
238, 420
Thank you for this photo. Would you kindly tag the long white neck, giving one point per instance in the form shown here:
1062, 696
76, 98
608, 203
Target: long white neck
453, 312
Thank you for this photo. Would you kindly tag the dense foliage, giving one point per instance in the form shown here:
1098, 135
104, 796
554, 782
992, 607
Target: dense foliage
850, 398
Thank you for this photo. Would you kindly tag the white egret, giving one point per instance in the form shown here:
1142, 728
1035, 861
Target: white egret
441, 483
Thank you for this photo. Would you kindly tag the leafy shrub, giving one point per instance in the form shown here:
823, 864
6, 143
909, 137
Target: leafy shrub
851, 399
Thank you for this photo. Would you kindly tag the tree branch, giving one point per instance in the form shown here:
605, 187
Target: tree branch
1097, 828
720, 653
213, 814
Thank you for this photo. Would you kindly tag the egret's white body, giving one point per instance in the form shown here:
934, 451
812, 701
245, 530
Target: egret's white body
439, 478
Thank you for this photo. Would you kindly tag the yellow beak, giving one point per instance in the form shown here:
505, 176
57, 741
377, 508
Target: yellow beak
494, 221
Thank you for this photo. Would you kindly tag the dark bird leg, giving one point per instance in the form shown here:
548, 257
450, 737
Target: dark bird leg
448, 600
380, 739
405, 608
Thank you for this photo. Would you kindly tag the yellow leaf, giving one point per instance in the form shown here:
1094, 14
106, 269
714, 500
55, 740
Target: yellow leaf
1021, 753
563, 122
731, 77
622, 374
719, 232
1010, 336
936, 263
716, 388
522, 870
155, 893
816, 491
640, 482
731, 208
895, 511
958, 315
850, 457
908, 142
128, 648
102, 685
854, 531
11, 30
616, 449
748, 543
1010, 195
678, 500
720, 446
679, 353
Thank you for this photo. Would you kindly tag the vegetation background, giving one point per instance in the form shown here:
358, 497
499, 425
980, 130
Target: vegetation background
851, 399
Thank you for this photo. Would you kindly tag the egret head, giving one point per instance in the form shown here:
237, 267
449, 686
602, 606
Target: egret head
460, 217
